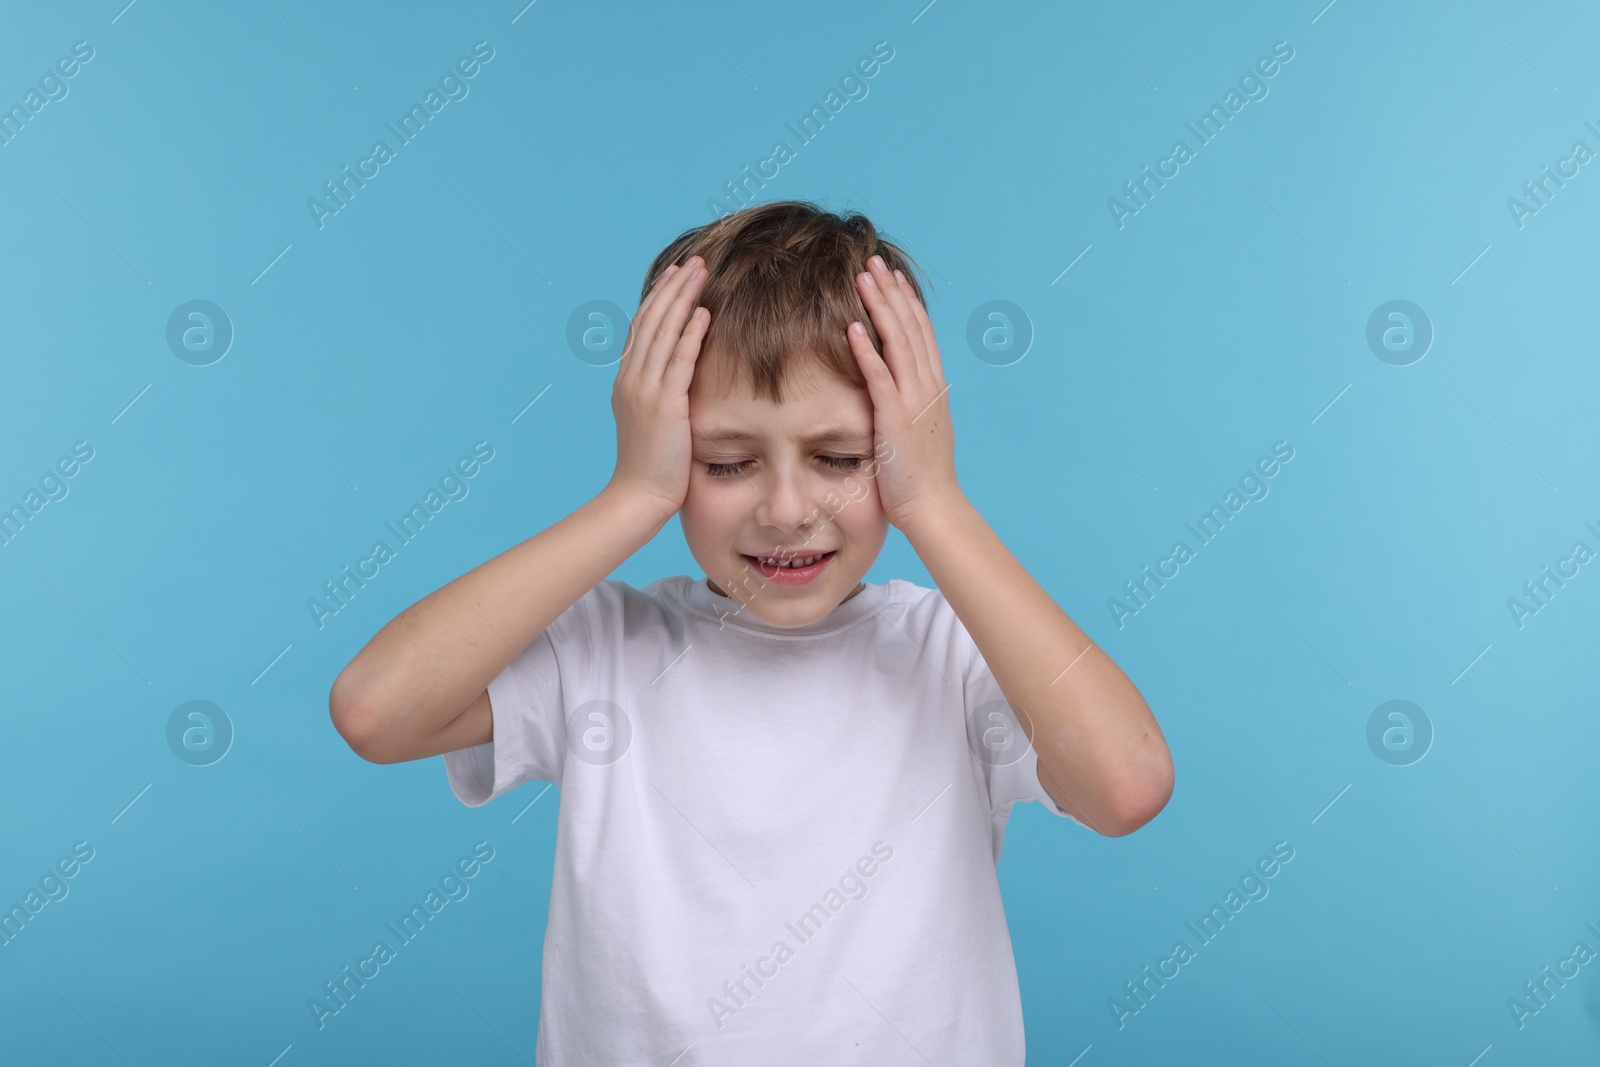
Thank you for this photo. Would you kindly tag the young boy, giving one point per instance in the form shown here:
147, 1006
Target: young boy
783, 790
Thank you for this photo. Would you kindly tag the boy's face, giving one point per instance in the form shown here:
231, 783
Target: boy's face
758, 488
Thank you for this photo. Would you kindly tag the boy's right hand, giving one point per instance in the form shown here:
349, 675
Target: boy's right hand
650, 398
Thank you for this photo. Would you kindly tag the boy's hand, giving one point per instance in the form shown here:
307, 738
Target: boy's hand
914, 440
650, 398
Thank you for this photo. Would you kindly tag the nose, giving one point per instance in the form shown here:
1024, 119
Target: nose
786, 503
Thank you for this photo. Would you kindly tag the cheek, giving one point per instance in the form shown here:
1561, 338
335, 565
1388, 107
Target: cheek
708, 511
861, 513
692, 514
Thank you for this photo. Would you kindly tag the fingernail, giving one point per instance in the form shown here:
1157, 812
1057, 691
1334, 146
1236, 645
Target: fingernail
668, 272
901, 278
878, 260
870, 280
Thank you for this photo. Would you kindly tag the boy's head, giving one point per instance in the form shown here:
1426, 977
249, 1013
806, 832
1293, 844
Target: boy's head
775, 366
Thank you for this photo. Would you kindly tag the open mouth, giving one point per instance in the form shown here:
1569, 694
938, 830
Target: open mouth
802, 569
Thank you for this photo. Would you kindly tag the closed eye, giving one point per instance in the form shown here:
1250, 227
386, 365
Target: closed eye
842, 463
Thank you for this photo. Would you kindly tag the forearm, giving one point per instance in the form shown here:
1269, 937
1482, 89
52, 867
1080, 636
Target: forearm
1101, 753
433, 659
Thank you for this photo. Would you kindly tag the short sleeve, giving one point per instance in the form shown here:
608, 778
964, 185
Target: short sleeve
1001, 747
528, 702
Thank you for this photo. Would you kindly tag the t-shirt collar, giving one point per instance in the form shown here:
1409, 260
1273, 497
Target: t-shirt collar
699, 596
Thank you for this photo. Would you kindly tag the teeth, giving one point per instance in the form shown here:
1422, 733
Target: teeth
806, 562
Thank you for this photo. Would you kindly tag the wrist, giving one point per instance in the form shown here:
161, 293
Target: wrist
932, 512
635, 507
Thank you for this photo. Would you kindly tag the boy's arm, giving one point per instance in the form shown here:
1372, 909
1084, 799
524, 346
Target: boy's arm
1101, 754
419, 686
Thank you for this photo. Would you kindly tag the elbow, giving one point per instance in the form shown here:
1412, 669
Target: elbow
1143, 799
352, 721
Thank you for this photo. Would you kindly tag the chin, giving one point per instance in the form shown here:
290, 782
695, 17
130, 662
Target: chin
778, 605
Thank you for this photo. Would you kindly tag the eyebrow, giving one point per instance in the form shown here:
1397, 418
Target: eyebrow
825, 435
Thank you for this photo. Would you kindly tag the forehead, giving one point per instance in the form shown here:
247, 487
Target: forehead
817, 409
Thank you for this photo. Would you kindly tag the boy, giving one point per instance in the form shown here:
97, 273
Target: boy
783, 790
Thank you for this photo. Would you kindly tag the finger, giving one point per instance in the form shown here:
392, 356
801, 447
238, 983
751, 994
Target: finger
925, 324
896, 342
638, 316
659, 283
674, 317
642, 331
633, 345
644, 321
880, 382
680, 368
897, 300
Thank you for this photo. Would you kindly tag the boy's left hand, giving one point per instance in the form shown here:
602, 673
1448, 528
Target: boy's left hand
914, 442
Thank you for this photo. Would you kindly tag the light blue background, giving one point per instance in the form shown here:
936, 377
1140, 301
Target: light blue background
1226, 315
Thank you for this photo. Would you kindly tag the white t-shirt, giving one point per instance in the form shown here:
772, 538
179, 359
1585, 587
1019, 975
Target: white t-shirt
774, 846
